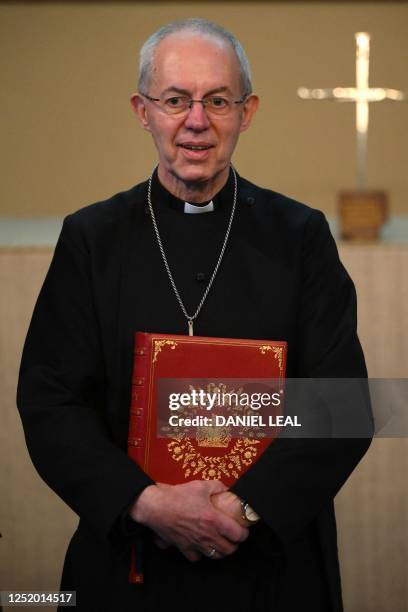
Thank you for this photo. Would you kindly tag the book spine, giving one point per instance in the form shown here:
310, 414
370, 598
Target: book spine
137, 429
138, 405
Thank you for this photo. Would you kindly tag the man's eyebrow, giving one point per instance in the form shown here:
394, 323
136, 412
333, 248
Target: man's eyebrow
185, 92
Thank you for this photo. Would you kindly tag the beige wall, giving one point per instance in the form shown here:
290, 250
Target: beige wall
69, 137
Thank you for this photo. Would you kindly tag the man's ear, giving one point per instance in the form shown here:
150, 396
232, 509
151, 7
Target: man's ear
138, 104
250, 107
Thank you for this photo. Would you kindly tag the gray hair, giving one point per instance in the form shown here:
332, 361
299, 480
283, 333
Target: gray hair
203, 27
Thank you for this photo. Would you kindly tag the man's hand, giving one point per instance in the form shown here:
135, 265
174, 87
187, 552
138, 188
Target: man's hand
230, 504
184, 515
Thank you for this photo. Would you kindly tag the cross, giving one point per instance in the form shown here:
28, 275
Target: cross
362, 95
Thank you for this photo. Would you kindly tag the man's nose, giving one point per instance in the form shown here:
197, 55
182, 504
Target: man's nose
196, 118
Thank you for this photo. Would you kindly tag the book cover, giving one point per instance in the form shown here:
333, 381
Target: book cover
163, 365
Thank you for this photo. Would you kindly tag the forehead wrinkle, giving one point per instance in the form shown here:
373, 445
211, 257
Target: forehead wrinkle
168, 54
186, 92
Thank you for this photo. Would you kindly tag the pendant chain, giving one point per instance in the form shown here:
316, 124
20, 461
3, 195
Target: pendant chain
191, 318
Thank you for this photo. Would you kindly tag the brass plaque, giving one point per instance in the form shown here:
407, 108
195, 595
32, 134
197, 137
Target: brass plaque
362, 214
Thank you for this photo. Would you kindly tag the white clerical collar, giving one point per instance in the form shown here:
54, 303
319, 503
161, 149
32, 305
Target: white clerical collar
194, 209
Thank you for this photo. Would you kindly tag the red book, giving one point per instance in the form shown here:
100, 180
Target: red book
208, 452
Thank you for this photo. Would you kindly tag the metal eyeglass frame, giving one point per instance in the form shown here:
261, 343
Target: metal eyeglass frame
191, 101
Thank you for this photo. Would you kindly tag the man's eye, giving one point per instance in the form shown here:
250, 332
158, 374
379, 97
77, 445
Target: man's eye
175, 101
218, 102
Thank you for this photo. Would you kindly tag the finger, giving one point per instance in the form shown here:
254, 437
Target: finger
223, 547
213, 553
216, 486
191, 555
231, 529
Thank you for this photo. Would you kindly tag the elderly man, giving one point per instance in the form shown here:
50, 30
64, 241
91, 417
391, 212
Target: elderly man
195, 245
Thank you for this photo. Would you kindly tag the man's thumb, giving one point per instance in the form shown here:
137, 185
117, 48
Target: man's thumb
217, 487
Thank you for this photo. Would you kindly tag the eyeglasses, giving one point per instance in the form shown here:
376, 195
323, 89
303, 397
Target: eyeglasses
178, 105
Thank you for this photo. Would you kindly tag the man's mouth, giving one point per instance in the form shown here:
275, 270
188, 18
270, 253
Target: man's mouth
194, 147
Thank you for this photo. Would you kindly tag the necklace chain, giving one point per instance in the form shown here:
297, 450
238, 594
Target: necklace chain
191, 318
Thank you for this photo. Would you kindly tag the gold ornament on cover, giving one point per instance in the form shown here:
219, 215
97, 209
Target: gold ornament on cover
212, 467
193, 463
277, 350
159, 344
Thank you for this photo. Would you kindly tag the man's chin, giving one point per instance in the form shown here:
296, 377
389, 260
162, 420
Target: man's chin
196, 173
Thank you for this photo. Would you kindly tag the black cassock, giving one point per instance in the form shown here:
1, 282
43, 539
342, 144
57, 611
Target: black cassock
280, 279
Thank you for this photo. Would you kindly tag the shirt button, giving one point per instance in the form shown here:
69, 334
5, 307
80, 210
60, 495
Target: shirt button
200, 276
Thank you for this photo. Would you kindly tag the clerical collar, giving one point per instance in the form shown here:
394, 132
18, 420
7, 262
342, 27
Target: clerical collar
194, 209
162, 196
